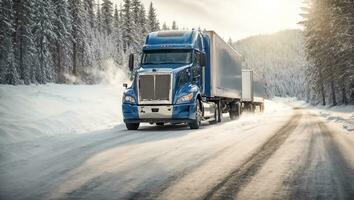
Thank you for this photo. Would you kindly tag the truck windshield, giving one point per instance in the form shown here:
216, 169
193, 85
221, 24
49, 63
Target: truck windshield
167, 57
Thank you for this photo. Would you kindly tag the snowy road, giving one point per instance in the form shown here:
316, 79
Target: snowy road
275, 155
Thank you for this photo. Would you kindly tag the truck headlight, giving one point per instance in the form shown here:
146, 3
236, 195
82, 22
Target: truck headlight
185, 98
129, 99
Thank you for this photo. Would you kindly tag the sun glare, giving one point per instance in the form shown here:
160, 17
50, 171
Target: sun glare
269, 9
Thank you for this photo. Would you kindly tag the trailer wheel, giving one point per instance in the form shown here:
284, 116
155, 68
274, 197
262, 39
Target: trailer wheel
262, 107
235, 111
198, 118
253, 108
132, 126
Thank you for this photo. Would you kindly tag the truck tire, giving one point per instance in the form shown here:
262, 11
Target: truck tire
239, 110
261, 107
195, 124
160, 124
132, 126
235, 111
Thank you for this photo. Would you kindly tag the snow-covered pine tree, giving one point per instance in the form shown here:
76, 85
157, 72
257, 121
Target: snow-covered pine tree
153, 23
24, 46
44, 36
229, 41
127, 27
329, 46
143, 22
107, 16
99, 23
62, 42
8, 71
77, 33
137, 29
174, 26
315, 47
165, 27
89, 28
343, 24
89, 9
117, 35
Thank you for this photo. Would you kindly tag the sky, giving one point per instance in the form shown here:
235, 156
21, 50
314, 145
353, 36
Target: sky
234, 19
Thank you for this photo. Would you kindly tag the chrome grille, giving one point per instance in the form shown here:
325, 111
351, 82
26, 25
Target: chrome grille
155, 88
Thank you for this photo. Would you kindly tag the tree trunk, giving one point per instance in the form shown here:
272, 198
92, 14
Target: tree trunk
344, 95
352, 92
75, 59
322, 89
333, 92
60, 68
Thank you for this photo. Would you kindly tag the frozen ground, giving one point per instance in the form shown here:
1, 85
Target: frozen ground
67, 142
340, 115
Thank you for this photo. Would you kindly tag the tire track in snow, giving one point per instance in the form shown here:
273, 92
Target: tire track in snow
231, 185
325, 173
152, 190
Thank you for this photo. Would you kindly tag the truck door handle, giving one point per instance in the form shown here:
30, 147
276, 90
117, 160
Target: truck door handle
154, 109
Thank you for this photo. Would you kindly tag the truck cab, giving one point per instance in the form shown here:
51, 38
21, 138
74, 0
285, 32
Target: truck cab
168, 85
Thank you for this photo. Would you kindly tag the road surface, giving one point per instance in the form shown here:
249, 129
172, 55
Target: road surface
293, 155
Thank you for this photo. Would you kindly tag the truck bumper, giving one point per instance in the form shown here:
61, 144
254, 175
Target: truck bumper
182, 113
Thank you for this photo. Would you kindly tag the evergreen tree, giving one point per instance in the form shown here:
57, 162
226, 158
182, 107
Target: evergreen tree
165, 27
329, 46
107, 16
153, 22
127, 26
24, 46
89, 12
117, 36
174, 26
135, 11
142, 22
99, 17
62, 30
44, 36
137, 28
77, 33
8, 73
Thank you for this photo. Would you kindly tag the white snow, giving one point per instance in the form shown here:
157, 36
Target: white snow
340, 115
34, 111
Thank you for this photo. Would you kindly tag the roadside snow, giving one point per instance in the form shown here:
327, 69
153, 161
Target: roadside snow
28, 112
341, 115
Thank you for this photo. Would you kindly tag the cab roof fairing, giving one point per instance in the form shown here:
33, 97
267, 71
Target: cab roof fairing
171, 40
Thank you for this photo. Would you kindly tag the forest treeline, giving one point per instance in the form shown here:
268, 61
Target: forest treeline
278, 60
54, 40
329, 47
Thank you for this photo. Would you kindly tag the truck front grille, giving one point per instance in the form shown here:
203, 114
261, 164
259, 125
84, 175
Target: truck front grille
154, 88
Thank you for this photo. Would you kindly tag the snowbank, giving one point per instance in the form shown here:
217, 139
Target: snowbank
342, 115
29, 112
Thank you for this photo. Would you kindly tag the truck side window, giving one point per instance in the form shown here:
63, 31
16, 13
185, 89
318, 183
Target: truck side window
196, 67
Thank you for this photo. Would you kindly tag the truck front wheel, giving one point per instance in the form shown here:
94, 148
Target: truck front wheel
132, 126
195, 124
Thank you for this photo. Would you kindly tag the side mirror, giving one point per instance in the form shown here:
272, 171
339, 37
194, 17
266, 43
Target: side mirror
203, 60
131, 62
125, 85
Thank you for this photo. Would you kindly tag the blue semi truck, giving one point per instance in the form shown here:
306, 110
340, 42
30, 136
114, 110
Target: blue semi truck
186, 77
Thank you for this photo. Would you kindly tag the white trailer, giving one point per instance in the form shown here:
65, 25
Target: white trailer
252, 94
